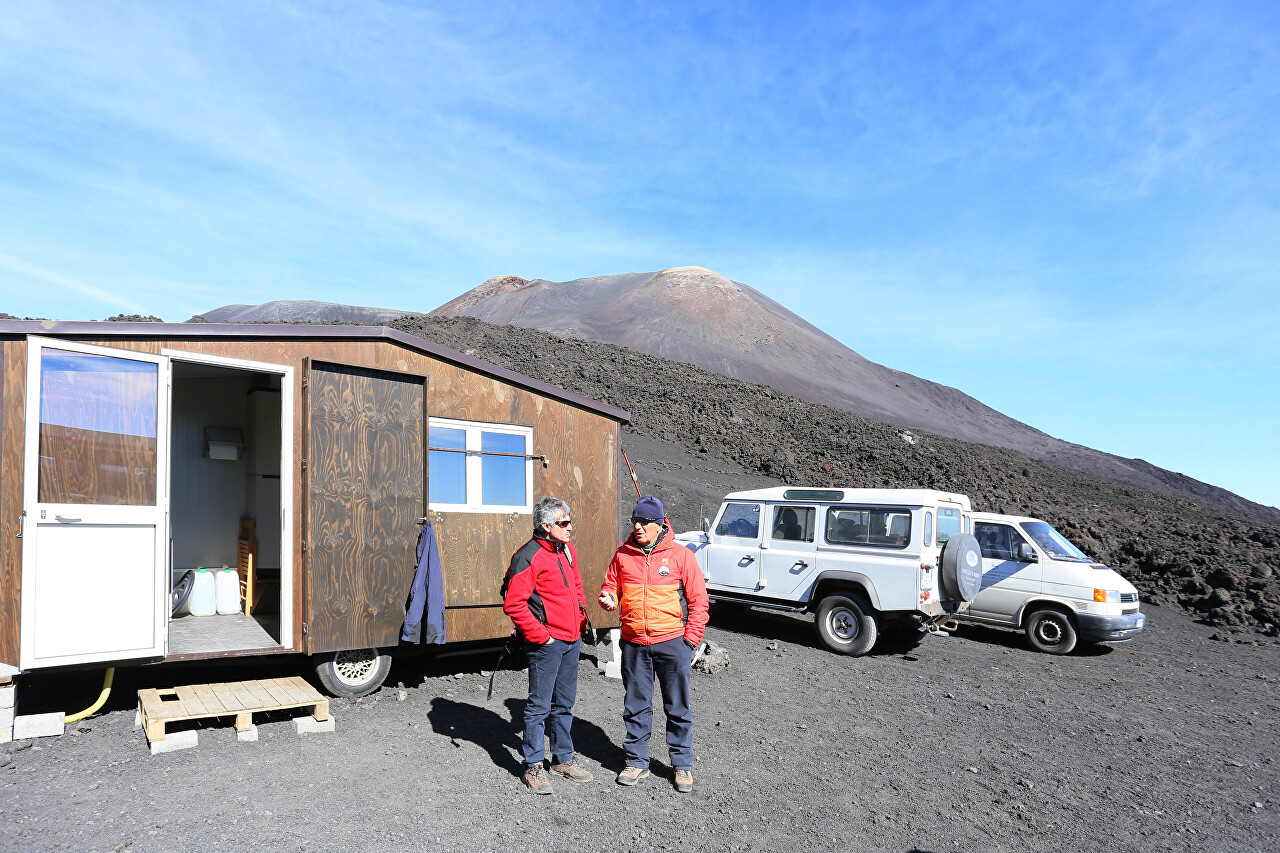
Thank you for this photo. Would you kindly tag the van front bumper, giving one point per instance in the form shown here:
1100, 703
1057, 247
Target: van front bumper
1110, 629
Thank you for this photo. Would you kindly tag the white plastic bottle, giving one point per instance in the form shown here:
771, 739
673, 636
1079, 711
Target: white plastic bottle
204, 597
227, 583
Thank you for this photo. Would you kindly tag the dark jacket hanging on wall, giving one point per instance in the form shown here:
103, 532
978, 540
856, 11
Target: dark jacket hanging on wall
424, 621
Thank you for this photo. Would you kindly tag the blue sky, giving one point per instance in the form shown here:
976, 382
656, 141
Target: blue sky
1069, 212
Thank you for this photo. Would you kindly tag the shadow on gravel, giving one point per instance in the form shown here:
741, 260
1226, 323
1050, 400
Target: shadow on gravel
500, 736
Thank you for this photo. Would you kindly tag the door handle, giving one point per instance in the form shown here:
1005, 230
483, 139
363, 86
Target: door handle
67, 517
802, 564
747, 559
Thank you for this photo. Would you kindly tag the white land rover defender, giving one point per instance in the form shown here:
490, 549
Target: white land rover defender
855, 557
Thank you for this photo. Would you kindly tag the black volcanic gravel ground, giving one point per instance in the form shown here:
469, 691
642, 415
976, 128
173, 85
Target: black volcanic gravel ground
1219, 566
971, 743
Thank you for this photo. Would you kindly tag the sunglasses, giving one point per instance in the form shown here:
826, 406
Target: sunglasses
568, 522
637, 520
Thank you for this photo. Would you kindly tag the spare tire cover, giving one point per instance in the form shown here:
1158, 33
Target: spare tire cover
962, 567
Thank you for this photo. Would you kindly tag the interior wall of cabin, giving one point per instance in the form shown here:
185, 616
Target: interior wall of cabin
208, 496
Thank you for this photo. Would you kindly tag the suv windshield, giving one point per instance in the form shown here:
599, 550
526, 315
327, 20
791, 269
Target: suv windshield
1058, 546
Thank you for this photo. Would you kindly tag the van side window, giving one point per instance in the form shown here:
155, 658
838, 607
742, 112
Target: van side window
998, 541
880, 527
928, 528
948, 524
794, 523
741, 520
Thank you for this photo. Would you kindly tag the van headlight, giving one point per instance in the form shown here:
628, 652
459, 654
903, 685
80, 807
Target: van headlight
1106, 595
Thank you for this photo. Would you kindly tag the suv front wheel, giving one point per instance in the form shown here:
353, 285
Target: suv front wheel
846, 624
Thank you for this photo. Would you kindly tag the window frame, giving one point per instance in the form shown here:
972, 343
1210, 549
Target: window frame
473, 468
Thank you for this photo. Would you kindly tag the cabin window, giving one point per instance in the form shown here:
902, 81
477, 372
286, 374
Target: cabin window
479, 467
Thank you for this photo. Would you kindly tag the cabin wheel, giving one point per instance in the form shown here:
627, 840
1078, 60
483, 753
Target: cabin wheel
353, 672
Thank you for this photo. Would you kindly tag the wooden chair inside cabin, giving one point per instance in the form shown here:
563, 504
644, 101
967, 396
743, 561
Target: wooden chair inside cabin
247, 565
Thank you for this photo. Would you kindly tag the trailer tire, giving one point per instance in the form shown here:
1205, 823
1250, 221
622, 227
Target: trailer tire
962, 567
846, 624
1051, 631
354, 672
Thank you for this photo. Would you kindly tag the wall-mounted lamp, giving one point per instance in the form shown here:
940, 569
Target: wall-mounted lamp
223, 443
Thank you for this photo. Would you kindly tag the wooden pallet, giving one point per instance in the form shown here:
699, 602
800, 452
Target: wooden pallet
239, 698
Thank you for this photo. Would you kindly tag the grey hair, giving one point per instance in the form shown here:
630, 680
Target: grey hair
546, 511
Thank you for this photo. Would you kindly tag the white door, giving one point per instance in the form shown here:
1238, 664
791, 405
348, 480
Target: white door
789, 553
734, 549
94, 555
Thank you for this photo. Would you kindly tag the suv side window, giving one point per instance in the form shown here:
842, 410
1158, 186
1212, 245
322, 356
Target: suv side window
794, 523
740, 520
998, 541
882, 526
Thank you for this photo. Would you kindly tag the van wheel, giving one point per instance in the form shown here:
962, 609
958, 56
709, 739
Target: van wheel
846, 625
352, 673
1051, 631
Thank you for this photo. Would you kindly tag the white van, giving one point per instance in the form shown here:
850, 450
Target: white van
1034, 579
854, 557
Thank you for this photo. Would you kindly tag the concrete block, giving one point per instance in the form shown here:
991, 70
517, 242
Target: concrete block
175, 741
310, 725
39, 725
8, 695
612, 668
6, 735
249, 735
6, 718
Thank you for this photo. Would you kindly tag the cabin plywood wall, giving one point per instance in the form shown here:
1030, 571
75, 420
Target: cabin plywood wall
13, 381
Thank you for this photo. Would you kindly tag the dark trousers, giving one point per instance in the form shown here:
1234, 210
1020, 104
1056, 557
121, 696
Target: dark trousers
553, 688
670, 662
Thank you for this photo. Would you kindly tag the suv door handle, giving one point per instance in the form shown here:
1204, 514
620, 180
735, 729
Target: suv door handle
747, 559
802, 564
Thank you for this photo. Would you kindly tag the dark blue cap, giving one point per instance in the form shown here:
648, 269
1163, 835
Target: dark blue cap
649, 507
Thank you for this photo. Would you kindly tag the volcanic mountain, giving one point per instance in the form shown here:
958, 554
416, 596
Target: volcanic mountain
694, 315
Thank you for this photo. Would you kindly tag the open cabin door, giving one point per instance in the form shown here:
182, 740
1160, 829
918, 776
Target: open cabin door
94, 561
365, 487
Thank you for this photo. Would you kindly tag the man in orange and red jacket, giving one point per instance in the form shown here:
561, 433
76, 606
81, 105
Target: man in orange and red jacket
542, 593
658, 586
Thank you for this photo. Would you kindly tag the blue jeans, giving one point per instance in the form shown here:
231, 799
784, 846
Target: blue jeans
670, 661
553, 688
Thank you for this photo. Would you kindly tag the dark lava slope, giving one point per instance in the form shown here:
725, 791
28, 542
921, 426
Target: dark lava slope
1218, 565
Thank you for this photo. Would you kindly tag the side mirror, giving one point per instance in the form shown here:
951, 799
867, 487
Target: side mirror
706, 525
1026, 554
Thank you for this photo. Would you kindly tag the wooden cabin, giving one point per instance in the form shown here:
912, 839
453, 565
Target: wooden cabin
305, 457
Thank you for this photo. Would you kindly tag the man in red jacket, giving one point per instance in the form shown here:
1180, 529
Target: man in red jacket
543, 596
658, 586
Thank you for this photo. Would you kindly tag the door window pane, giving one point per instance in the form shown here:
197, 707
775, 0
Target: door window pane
890, 528
448, 471
793, 523
97, 429
502, 477
741, 520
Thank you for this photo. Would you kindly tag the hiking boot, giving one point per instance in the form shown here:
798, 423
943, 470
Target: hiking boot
631, 775
684, 781
572, 770
536, 778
